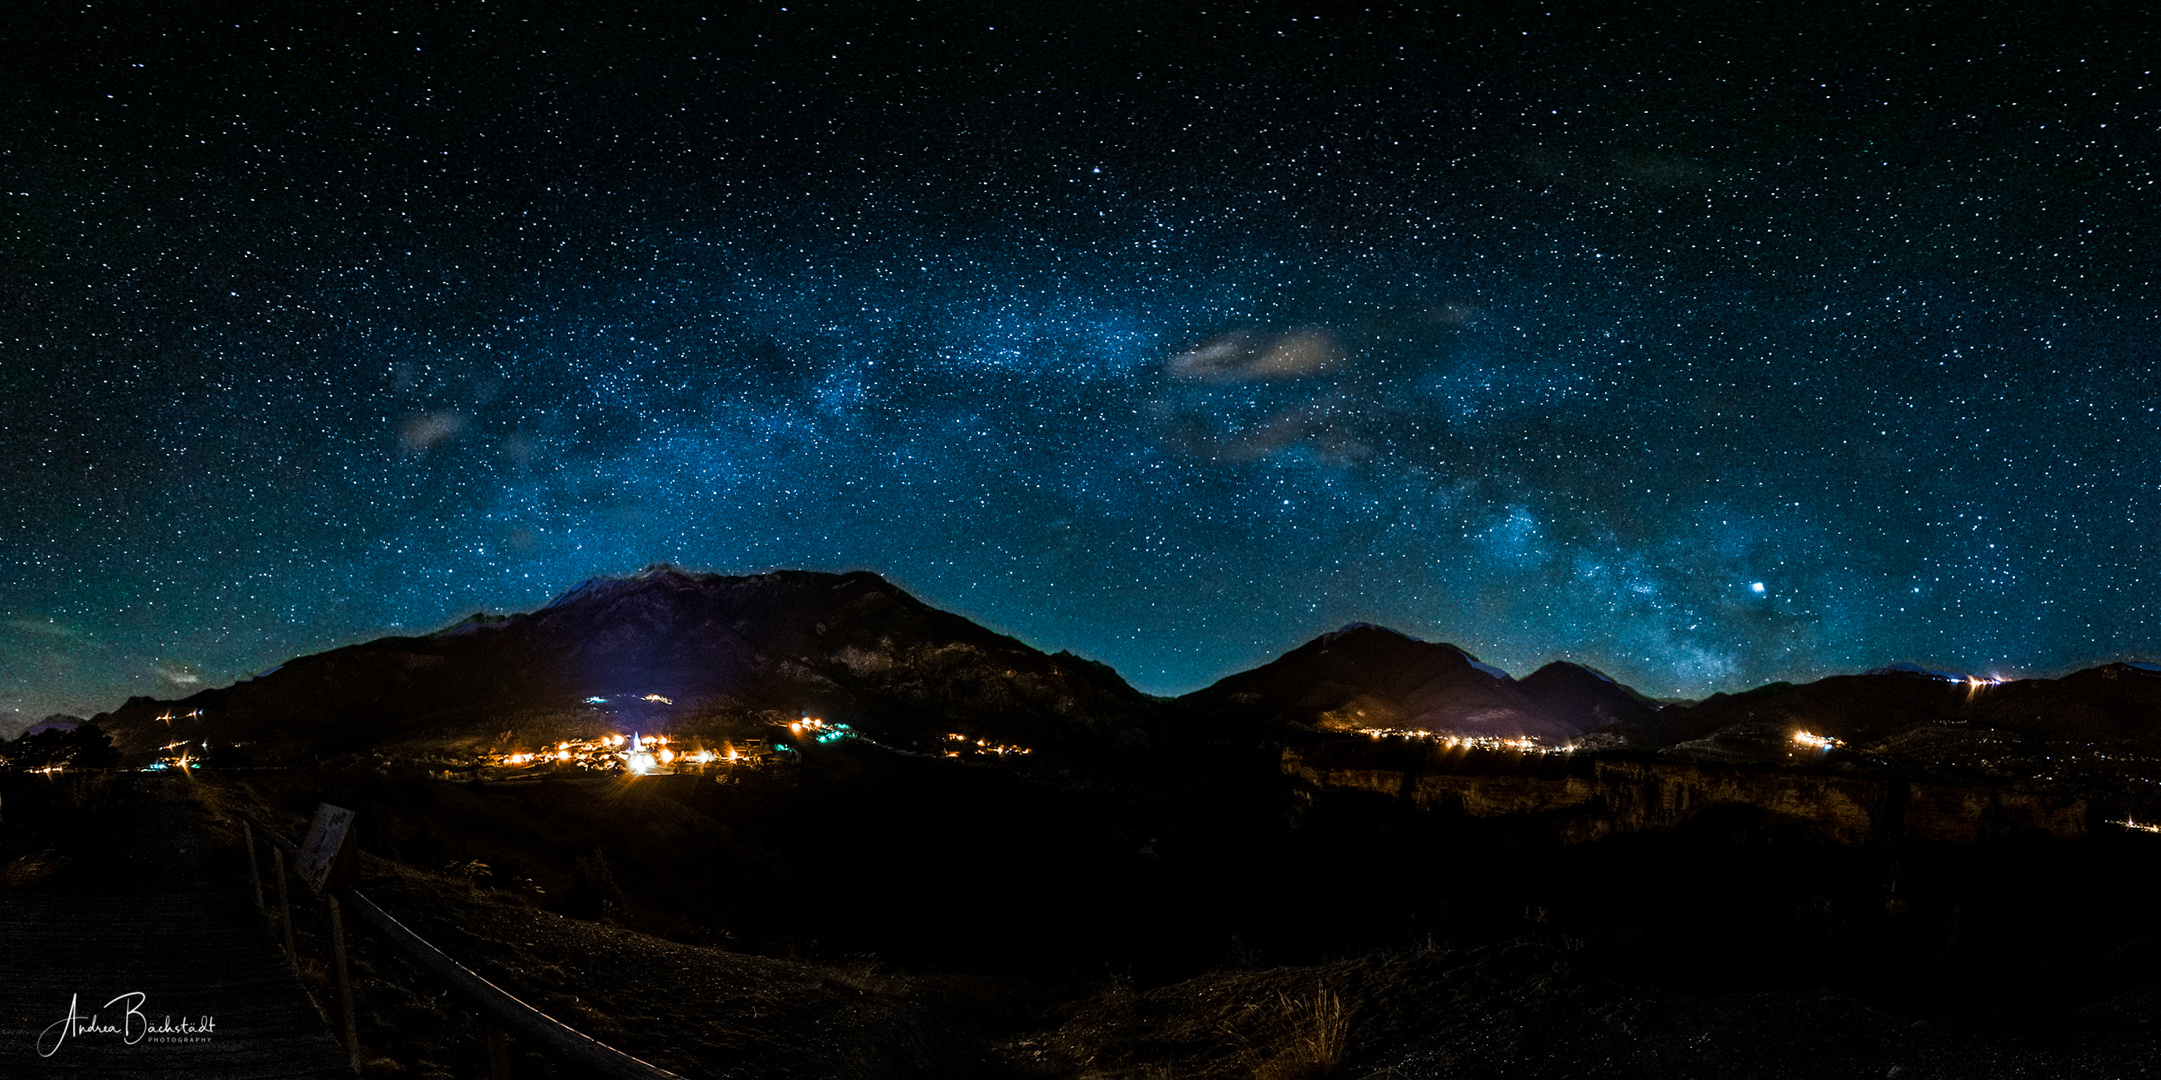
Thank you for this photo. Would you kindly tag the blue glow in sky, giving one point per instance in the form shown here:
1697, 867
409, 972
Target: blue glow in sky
1706, 350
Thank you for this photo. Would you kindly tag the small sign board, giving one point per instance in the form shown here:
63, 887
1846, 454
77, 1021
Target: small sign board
327, 859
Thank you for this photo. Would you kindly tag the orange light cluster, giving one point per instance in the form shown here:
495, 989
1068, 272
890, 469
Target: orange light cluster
608, 752
1521, 744
959, 745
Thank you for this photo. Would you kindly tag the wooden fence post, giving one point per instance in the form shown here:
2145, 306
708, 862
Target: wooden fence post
498, 1054
345, 983
285, 909
500, 1012
255, 873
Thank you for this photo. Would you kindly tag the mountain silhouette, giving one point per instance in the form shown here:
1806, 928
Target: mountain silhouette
673, 650
2085, 720
662, 649
1366, 676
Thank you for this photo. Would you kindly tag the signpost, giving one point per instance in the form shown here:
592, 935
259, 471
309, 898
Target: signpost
328, 863
327, 859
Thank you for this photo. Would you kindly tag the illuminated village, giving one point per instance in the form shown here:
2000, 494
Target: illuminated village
639, 754
636, 753
1521, 744
959, 745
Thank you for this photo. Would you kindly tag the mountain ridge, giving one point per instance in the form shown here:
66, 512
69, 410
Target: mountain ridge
669, 646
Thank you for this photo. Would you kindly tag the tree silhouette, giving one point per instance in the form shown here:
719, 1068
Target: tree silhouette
84, 746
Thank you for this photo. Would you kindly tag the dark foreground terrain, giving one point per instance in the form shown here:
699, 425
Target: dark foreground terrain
878, 915
1372, 857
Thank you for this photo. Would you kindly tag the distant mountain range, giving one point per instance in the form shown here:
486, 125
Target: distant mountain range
1366, 677
663, 649
14, 722
2101, 722
671, 650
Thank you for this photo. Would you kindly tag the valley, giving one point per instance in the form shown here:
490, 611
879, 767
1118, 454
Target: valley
803, 825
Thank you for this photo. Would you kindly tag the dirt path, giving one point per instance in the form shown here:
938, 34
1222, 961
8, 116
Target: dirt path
138, 933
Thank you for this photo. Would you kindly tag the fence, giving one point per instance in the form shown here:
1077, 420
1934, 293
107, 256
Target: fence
503, 1013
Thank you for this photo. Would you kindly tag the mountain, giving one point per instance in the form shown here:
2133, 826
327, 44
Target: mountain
668, 650
1586, 699
14, 722
673, 651
1366, 676
2104, 720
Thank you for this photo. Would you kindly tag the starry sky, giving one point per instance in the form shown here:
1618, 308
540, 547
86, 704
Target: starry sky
1706, 343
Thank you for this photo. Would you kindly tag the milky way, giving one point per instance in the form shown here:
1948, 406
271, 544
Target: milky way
1708, 348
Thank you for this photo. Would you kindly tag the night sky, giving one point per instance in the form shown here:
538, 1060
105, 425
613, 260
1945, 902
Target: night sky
1709, 345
